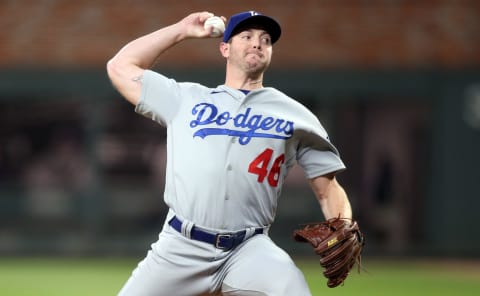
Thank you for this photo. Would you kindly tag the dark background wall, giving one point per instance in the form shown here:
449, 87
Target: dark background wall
396, 83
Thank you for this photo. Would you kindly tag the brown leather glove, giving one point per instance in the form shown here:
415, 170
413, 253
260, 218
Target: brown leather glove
339, 243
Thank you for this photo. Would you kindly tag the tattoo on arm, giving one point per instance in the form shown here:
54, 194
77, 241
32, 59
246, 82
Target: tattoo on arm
137, 79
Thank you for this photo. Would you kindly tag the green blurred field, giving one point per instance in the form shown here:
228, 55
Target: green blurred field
55, 277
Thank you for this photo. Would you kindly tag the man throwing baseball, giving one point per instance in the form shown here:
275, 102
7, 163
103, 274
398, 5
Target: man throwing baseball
229, 150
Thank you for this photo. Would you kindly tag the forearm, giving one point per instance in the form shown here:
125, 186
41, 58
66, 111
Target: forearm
335, 203
332, 197
144, 51
126, 68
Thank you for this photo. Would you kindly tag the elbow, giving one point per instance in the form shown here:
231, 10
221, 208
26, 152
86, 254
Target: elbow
120, 74
113, 70
115, 75
321, 192
322, 186
118, 70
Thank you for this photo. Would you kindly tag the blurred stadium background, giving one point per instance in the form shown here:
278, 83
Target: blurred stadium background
396, 83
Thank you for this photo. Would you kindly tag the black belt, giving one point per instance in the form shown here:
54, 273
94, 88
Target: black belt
224, 241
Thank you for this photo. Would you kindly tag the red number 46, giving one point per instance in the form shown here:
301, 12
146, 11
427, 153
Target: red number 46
259, 166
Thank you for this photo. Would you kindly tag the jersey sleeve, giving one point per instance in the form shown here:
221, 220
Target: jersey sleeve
316, 162
316, 154
160, 97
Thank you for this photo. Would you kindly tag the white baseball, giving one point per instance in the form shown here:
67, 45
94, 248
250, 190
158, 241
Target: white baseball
217, 24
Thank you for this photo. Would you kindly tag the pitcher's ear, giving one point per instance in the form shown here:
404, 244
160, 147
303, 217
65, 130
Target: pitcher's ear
224, 49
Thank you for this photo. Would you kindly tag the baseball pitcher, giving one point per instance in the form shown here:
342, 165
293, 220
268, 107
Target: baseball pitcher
229, 150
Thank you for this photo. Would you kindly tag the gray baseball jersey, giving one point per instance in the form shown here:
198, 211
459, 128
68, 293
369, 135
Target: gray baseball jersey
230, 152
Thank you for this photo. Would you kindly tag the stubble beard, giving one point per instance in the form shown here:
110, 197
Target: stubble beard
255, 67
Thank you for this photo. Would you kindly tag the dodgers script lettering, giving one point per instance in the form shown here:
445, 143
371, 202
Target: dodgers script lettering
244, 125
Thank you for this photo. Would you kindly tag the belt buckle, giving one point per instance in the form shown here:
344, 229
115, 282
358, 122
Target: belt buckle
220, 236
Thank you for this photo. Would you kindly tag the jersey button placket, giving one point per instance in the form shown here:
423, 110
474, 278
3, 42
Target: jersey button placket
229, 169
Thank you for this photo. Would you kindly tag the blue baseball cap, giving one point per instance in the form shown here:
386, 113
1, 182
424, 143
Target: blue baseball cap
247, 19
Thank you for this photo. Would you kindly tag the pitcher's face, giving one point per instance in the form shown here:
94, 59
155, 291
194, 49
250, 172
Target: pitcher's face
250, 51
